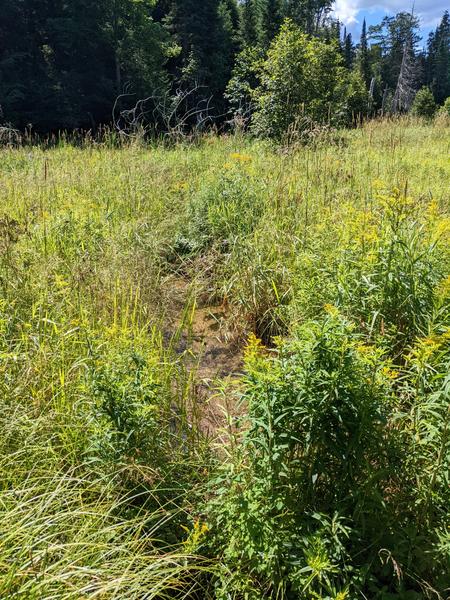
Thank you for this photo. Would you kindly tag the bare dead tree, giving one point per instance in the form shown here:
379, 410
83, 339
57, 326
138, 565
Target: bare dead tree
406, 83
10, 136
370, 101
407, 79
176, 116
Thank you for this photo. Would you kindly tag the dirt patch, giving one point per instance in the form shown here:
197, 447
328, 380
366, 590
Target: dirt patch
218, 366
212, 351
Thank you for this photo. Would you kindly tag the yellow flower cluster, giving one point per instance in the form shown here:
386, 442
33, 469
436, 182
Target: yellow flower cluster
389, 373
243, 158
253, 348
331, 310
195, 535
180, 187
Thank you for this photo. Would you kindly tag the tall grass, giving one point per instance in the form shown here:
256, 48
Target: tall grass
335, 255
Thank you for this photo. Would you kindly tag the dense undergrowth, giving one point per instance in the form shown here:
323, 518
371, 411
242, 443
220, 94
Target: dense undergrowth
332, 260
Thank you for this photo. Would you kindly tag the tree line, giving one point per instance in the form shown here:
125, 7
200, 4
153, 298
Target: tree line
67, 65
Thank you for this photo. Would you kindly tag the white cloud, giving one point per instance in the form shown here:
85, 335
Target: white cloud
347, 11
430, 11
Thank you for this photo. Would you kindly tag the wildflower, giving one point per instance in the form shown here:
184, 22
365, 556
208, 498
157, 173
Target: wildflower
195, 535
364, 349
253, 347
331, 309
389, 373
428, 341
241, 157
442, 228
378, 184
180, 187
433, 208
60, 282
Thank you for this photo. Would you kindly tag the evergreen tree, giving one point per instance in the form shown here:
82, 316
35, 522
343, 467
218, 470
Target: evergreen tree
424, 105
391, 36
349, 51
273, 15
308, 14
231, 9
363, 56
251, 23
205, 35
438, 63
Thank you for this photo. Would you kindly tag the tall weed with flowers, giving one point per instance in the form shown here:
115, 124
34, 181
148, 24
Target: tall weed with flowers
388, 281
305, 512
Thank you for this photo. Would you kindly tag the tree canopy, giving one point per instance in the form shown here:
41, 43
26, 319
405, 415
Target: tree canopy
63, 65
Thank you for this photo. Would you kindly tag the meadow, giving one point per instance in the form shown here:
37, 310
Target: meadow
224, 367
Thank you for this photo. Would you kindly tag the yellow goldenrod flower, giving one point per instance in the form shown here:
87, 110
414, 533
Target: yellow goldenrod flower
331, 309
241, 157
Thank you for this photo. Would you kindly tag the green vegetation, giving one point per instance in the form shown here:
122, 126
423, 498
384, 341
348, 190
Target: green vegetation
424, 104
166, 66
331, 264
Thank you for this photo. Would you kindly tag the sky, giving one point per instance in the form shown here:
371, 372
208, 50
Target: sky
352, 12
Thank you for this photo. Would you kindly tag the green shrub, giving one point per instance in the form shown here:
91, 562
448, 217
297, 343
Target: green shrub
243, 83
446, 106
226, 208
305, 494
391, 287
303, 81
443, 114
424, 104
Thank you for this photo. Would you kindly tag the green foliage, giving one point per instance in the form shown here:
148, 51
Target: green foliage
393, 293
225, 209
330, 479
302, 80
245, 80
309, 16
136, 416
438, 60
446, 106
206, 35
424, 104
315, 455
62, 66
251, 22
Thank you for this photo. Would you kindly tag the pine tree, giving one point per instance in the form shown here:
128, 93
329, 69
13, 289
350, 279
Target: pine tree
363, 56
308, 14
272, 20
251, 23
198, 29
349, 51
439, 60
232, 9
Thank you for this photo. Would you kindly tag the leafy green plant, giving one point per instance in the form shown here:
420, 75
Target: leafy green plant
393, 292
226, 208
302, 82
424, 104
315, 454
446, 106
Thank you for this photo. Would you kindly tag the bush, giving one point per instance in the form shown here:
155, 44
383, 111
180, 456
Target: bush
243, 83
302, 81
443, 114
310, 473
223, 209
392, 292
446, 106
424, 104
